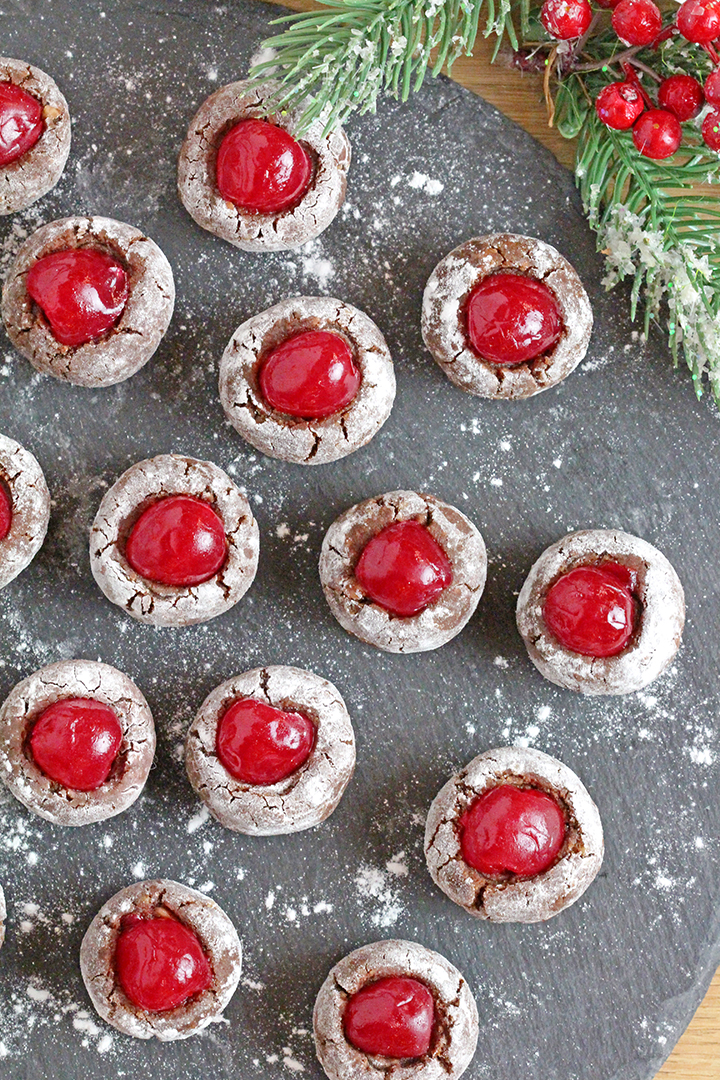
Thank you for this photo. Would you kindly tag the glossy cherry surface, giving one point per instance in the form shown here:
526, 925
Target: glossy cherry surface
179, 540
312, 374
403, 568
6, 510
566, 19
160, 963
260, 744
592, 610
512, 318
75, 742
21, 122
637, 22
711, 88
657, 134
711, 129
393, 1017
82, 292
262, 167
512, 830
699, 21
619, 105
682, 95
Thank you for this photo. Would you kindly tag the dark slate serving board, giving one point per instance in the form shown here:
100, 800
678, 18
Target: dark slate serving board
603, 991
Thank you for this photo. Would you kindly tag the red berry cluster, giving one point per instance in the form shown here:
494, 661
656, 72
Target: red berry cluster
622, 105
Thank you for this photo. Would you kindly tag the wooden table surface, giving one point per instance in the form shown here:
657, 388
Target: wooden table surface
697, 1054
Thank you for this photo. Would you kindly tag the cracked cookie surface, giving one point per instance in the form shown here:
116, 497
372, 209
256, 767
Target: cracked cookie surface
138, 488
652, 646
30, 508
209, 923
444, 322
125, 347
308, 795
311, 441
513, 898
76, 679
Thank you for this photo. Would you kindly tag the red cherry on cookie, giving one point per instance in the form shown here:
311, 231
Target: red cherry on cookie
5, 511
178, 540
637, 22
82, 293
403, 568
619, 105
591, 610
512, 319
393, 1017
260, 744
657, 134
311, 374
21, 122
511, 830
261, 167
160, 963
682, 95
75, 743
565, 19
699, 21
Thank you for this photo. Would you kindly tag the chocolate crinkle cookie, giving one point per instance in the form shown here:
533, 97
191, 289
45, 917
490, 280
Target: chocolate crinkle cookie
35, 139
271, 751
227, 178
98, 343
403, 571
174, 541
77, 741
506, 316
602, 612
309, 380
24, 509
197, 961
396, 1009
514, 837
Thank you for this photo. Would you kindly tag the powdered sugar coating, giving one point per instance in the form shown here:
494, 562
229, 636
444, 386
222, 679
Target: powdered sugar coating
217, 936
306, 442
444, 324
32, 175
436, 624
30, 499
138, 488
456, 1025
130, 343
653, 645
251, 230
301, 800
533, 899
84, 679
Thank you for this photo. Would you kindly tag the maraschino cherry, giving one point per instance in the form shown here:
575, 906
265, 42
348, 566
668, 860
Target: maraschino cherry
259, 744
592, 610
619, 105
682, 95
512, 318
262, 167
403, 568
75, 742
312, 374
512, 830
179, 540
657, 134
21, 122
160, 963
82, 292
393, 1017
6, 511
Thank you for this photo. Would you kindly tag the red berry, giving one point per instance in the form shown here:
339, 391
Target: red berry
711, 129
21, 122
682, 95
607, 4
5, 510
512, 318
403, 568
699, 21
657, 134
512, 830
75, 743
565, 19
312, 374
160, 963
712, 87
179, 540
619, 105
260, 744
393, 1017
637, 22
261, 167
591, 610
82, 293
